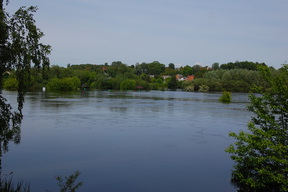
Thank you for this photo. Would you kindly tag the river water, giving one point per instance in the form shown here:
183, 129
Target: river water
153, 141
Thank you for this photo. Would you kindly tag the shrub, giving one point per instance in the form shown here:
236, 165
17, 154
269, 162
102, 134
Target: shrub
11, 83
128, 84
66, 84
226, 97
203, 88
189, 88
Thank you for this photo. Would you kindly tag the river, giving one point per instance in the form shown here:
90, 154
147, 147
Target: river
153, 141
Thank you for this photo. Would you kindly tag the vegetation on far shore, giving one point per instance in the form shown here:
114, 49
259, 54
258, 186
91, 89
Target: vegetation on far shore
231, 77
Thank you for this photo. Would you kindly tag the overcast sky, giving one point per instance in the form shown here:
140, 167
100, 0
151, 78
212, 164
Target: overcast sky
183, 32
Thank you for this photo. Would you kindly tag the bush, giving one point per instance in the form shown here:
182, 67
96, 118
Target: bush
203, 88
66, 84
199, 82
128, 84
189, 88
226, 97
11, 83
261, 152
101, 82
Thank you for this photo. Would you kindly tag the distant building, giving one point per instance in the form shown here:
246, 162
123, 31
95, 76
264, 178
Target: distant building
190, 77
166, 77
180, 77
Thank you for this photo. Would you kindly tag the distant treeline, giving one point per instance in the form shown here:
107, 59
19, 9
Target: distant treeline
235, 77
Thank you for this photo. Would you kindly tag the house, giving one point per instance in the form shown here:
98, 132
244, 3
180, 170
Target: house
166, 77
190, 77
180, 77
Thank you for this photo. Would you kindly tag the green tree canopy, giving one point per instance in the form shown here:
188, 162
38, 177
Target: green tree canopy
155, 68
171, 66
261, 155
242, 65
187, 70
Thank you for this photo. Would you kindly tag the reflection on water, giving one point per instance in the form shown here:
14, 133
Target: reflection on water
128, 141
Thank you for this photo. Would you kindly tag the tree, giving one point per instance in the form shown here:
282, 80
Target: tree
261, 155
128, 84
19, 48
155, 68
171, 66
172, 83
187, 70
215, 66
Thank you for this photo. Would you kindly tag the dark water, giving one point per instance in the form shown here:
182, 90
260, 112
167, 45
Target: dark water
127, 141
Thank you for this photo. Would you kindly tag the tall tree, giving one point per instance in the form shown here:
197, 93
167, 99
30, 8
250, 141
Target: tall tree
215, 66
171, 66
261, 155
172, 83
155, 68
20, 48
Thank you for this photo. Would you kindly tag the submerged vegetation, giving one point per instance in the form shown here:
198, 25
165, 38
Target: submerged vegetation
226, 97
231, 77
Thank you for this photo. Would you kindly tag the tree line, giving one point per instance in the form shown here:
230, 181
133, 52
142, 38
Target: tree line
234, 77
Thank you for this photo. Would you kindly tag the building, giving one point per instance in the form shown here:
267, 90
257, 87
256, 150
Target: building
190, 77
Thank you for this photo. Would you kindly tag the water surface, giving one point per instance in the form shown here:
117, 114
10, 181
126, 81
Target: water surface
127, 141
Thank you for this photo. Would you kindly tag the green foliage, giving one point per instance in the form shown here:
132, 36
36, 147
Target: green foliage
102, 82
155, 68
86, 77
69, 185
261, 155
187, 70
128, 84
143, 84
66, 84
61, 72
203, 88
200, 82
172, 82
226, 97
117, 67
10, 84
145, 77
20, 48
215, 66
141, 68
215, 85
187, 86
235, 80
214, 74
242, 65
115, 82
